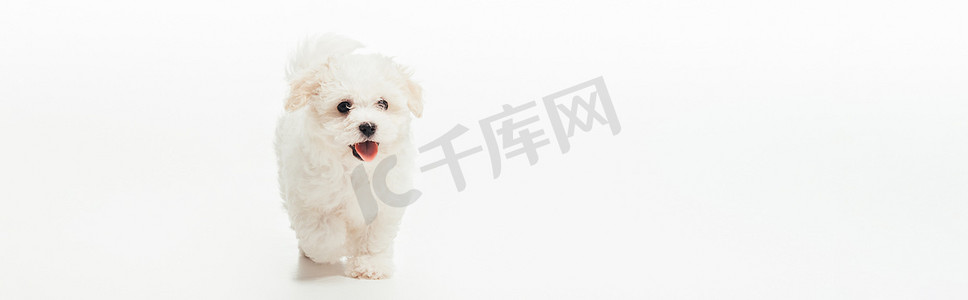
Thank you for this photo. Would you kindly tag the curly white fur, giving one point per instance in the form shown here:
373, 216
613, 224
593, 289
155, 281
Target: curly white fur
315, 157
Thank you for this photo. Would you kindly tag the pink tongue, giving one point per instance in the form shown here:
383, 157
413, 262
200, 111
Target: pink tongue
367, 150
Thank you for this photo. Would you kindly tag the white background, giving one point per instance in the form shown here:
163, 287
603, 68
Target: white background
797, 150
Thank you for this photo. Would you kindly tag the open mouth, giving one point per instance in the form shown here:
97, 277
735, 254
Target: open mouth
365, 151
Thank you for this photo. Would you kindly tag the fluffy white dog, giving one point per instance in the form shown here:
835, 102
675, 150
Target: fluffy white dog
344, 109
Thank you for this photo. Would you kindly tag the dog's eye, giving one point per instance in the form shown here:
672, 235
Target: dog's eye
343, 107
383, 104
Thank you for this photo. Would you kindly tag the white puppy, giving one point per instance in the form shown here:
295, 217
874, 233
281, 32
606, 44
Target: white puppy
343, 110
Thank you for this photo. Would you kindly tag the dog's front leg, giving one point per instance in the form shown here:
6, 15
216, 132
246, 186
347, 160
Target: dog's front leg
321, 237
373, 250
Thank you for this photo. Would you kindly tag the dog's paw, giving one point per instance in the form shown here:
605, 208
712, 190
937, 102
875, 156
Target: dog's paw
369, 267
322, 259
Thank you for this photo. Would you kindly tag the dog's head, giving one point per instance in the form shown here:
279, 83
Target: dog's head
360, 102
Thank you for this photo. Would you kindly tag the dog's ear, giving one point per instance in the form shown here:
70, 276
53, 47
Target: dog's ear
416, 98
301, 91
414, 92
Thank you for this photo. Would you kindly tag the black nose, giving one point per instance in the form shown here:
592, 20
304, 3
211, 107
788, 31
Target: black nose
367, 129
